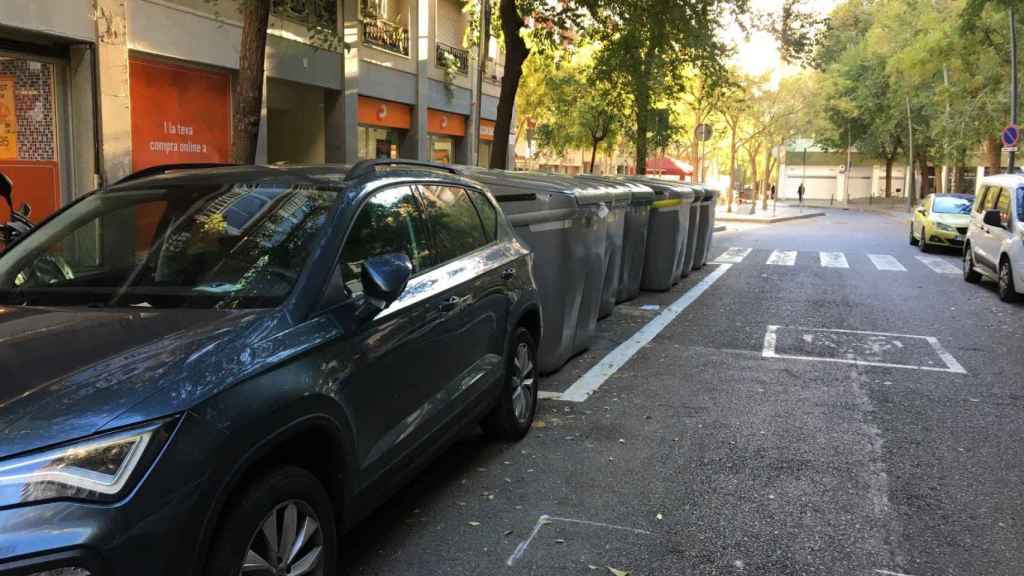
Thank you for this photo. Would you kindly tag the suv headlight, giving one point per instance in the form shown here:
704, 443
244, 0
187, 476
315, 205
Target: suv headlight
945, 227
100, 468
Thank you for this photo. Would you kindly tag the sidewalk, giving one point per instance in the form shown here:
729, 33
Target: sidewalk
779, 213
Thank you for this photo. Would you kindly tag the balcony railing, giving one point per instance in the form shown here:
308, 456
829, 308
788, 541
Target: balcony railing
386, 35
460, 56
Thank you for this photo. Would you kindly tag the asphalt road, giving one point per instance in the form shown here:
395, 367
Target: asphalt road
876, 430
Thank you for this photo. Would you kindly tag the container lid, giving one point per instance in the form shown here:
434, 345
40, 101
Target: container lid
518, 195
673, 188
622, 189
584, 192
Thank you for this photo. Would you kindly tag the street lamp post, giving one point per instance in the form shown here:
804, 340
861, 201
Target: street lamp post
1013, 81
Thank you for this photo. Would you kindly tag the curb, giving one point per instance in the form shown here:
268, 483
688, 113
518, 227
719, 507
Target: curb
775, 220
719, 228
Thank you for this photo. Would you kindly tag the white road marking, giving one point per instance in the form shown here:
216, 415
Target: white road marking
890, 573
545, 519
939, 264
617, 358
886, 262
732, 256
782, 258
952, 366
833, 260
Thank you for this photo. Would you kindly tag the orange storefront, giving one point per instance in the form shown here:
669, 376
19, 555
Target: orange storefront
486, 140
445, 128
179, 113
383, 125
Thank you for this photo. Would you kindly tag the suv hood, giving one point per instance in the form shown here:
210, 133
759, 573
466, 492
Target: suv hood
65, 373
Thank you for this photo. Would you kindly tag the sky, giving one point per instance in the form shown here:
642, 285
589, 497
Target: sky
759, 53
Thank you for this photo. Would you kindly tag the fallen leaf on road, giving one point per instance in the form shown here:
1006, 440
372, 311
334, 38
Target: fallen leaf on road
473, 523
559, 541
617, 572
509, 532
539, 424
659, 516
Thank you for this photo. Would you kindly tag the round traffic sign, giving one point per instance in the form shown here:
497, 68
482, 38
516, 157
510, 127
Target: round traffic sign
1010, 136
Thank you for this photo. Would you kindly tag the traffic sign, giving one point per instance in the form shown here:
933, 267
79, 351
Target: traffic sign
703, 132
1010, 136
1009, 148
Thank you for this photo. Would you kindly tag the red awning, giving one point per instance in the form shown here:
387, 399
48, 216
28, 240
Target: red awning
665, 165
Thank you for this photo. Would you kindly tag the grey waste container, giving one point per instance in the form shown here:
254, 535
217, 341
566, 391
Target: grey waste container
667, 233
711, 198
699, 232
627, 238
706, 225
564, 227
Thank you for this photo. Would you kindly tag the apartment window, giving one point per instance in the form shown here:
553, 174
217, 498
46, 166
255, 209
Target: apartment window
316, 12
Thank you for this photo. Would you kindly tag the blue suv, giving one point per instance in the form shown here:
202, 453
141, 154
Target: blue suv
218, 370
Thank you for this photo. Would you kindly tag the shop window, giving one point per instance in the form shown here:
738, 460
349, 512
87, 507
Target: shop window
442, 149
375, 143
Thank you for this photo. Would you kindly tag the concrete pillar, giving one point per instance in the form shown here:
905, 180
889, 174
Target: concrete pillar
977, 179
261, 136
473, 125
342, 108
114, 96
83, 120
417, 144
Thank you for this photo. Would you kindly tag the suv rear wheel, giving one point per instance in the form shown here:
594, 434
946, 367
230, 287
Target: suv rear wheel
511, 419
281, 524
1007, 291
970, 273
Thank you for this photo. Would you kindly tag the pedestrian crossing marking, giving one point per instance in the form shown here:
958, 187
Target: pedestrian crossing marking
733, 256
833, 260
886, 262
782, 258
940, 265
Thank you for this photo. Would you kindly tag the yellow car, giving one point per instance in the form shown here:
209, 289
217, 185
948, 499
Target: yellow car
941, 220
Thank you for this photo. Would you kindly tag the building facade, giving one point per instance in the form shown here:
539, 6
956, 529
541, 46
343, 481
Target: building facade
91, 90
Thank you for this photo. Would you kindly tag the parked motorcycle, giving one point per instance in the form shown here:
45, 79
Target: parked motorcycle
18, 224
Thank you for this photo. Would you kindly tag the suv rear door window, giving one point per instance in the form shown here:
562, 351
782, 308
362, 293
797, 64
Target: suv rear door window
390, 222
488, 215
454, 223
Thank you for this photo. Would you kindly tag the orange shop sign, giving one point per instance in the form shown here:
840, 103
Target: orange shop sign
8, 120
179, 114
384, 113
439, 122
486, 130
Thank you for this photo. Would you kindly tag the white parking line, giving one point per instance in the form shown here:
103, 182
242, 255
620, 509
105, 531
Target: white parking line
833, 260
771, 340
939, 264
886, 262
732, 256
617, 358
782, 258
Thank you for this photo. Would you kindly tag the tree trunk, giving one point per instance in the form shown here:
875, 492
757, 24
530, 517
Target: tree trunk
888, 177
994, 154
593, 152
958, 178
642, 109
767, 177
754, 185
516, 52
925, 184
248, 95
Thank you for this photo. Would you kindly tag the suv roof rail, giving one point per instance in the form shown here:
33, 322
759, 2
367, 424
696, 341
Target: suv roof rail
364, 167
165, 168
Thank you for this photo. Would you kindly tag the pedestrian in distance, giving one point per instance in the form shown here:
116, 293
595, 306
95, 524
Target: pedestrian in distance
800, 192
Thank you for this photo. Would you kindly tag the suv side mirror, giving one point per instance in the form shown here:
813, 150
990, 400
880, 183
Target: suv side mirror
25, 210
993, 218
384, 278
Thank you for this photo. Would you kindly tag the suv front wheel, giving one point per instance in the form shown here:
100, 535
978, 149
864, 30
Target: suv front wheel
281, 524
511, 419
1007, 291
970, 273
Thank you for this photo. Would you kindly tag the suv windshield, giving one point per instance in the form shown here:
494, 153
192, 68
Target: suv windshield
951, 205
225, 247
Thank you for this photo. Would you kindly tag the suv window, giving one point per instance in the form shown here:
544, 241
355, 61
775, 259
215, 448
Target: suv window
390, 222
990, 198
454, 221
488, 215
1003, 205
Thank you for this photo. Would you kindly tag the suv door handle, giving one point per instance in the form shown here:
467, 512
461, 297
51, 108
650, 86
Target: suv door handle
450, 304
508, 273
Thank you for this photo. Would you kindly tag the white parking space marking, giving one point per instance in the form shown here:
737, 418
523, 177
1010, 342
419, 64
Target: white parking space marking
617, 358
733, 256
544, 520
939, 264
877, 340
833, 260
782, 258
886, 262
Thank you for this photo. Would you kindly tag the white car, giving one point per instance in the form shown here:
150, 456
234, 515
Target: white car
995, 236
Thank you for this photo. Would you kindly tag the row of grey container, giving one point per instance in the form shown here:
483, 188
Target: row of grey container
599, 241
